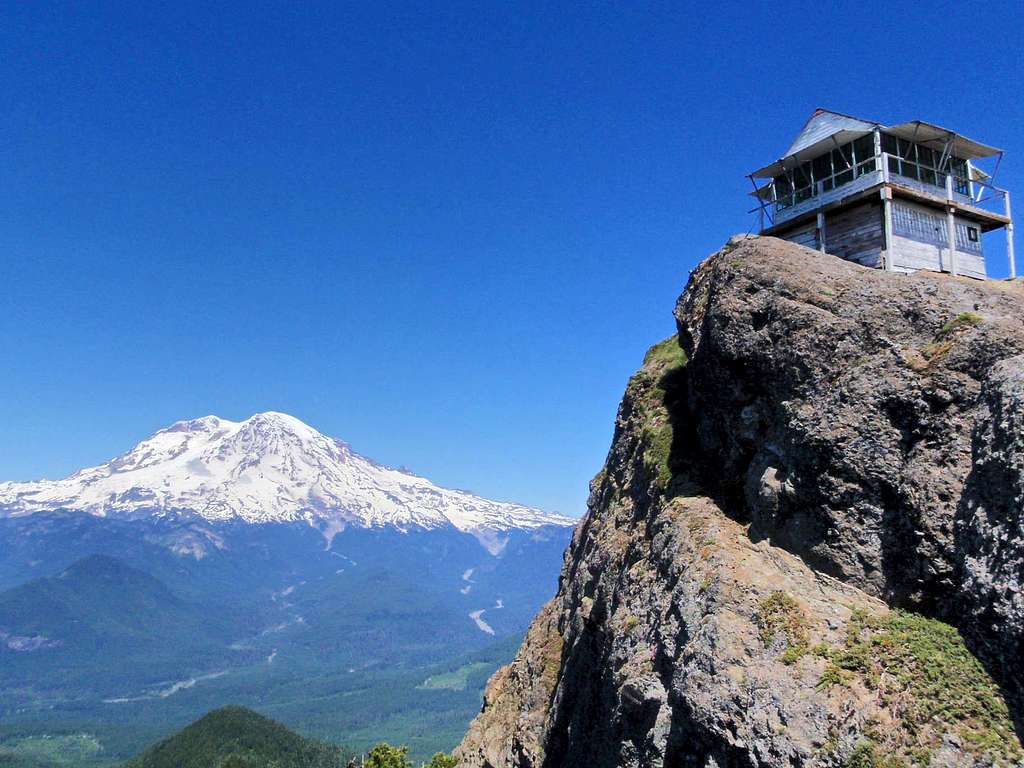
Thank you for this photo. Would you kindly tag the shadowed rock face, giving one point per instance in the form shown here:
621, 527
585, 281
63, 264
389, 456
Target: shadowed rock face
834, 442
870, 423
990, 523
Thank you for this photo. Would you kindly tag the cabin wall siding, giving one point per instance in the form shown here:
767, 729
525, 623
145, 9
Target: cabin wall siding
920, 241
806, 235
910, 255
856, 234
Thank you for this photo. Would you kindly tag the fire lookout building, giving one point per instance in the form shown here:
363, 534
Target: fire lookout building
900, 198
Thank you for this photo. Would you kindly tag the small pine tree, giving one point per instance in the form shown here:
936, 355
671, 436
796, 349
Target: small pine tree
441, 760
385, 756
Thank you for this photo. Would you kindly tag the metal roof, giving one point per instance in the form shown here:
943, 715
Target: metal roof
823, 124
825, 128
936, 136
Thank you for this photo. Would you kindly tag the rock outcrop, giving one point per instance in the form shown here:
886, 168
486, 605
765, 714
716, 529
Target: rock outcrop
806, 546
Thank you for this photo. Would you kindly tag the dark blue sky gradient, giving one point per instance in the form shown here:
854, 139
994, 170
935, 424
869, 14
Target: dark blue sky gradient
444, 234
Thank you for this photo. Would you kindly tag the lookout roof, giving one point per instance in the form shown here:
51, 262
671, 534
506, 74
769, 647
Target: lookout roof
825, 128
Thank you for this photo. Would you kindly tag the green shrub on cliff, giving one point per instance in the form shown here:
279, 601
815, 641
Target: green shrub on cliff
963, 320
384, 755
662, 363
779, 613
921, 669
947, 335
666, 354
866, 755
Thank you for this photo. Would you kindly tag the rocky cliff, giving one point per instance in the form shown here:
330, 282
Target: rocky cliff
806, 545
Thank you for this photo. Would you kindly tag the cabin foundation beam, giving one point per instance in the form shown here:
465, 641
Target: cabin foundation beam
821, 231
951, 237
887, 253
951, 223
1009, 236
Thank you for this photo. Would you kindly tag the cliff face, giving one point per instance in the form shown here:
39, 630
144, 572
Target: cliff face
870, 423
808, 494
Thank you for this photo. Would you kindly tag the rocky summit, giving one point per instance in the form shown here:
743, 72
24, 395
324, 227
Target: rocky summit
806, 545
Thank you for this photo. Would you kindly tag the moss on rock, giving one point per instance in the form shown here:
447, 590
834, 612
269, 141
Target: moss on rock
662, 363
779, 613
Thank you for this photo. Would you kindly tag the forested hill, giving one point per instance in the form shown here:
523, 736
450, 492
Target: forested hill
236, 737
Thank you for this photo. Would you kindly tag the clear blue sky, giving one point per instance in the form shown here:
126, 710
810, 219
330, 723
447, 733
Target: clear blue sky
444, 232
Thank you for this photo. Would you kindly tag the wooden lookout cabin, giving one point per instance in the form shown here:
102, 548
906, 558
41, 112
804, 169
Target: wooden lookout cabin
907, 197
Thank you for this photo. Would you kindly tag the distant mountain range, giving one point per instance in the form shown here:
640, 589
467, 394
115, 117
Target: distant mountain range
261, 563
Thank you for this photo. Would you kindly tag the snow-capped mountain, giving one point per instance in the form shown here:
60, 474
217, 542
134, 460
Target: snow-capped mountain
214, 552
270, 468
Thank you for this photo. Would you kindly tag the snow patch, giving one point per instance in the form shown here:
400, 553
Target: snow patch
483, 626
467, 576
478, 617
163, 693
27, 643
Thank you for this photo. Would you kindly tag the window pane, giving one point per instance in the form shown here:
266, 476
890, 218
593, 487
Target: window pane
864, 147
926, 156
889, 144
822, 167
800, 176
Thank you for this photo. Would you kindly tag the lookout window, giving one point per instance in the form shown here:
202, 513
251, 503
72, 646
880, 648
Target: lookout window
832, 169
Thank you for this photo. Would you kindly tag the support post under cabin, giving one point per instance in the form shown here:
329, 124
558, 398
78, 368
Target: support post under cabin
950, 223
887, 223
1009, 236
821, 231
951, 237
